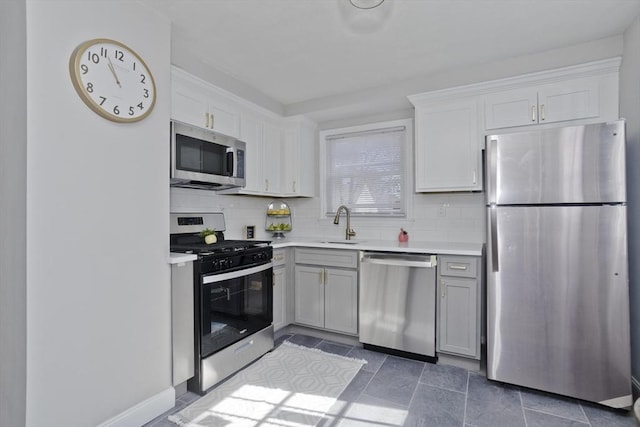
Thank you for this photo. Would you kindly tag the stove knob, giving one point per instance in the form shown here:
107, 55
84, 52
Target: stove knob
255, 257
216, 265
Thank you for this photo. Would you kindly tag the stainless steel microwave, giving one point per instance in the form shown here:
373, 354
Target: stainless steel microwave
202, 158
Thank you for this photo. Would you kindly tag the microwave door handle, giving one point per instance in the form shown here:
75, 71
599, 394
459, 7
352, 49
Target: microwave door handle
229, 163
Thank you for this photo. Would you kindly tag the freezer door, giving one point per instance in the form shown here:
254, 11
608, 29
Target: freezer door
578, 164
557, 301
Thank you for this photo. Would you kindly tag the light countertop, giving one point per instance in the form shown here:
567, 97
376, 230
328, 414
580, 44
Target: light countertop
440, 248
177, 258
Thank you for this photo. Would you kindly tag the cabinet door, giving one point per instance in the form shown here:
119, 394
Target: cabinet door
458, 329
517, 107
447, 147
251, 134
341, 300
279, 297
299, 159
188, 103
309, 295
272, 145
577, 99
224, 119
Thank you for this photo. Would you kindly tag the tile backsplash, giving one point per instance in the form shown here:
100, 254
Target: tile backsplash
450, 217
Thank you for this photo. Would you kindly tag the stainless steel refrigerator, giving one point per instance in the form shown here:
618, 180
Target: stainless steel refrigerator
557, 280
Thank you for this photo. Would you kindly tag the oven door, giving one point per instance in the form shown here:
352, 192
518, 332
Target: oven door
234, 305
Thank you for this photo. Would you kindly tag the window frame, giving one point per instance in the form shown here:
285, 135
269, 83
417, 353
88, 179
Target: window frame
406, 167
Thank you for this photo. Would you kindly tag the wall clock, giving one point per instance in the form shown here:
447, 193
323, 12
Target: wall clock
113, 80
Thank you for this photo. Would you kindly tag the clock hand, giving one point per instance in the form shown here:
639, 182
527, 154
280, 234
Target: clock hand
113, 71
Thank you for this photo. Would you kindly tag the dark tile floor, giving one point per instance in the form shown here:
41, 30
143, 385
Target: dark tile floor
392, 391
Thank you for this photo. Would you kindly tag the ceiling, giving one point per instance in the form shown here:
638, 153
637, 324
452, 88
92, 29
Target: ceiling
298, 51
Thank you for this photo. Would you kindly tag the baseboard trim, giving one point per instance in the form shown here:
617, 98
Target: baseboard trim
144, 411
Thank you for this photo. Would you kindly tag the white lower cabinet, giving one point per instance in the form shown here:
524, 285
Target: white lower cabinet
326, 296
459, 306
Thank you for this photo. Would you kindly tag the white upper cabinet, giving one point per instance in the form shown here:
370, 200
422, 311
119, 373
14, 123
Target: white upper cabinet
280, 155
299, 156
198, 104
447, 152
451, 124
549, 103
251, 133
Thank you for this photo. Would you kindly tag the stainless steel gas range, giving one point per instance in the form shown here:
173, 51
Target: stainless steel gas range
233, 297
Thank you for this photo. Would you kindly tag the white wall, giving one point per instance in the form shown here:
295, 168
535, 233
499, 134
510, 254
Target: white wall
630, 109
435, 217
98, 283
13, 228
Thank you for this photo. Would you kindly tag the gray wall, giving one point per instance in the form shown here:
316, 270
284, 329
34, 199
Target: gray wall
13, 195
630, 109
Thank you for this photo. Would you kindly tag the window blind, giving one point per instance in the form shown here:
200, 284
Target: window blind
365, 172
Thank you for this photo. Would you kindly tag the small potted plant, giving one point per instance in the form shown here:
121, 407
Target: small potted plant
209, 236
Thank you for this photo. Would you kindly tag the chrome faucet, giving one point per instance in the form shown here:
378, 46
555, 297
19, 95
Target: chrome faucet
336, 220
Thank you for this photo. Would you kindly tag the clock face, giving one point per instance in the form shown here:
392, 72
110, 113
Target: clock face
112, 80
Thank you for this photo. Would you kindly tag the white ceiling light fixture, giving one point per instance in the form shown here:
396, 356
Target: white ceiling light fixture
366, 4
365, 16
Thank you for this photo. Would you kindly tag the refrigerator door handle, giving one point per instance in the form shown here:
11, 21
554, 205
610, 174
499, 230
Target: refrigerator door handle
492, 164
494, 238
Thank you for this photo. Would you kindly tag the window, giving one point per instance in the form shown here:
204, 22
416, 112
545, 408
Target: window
365, 169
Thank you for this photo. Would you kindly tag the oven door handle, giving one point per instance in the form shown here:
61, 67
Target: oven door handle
213, 278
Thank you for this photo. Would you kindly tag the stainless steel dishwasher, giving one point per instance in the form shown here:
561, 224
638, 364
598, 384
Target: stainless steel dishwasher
398, 303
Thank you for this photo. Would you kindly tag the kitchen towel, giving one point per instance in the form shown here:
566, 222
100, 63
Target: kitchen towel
290, 386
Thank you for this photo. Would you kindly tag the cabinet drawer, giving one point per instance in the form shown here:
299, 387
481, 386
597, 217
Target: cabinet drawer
279, 257
327, 257
458, 266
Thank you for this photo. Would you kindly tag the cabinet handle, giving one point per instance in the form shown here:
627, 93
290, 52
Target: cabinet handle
457, 267
322, 276
206, 116
474, 177
542, 112
266, 185
533, 113
278, 257
443, 289
294, 186
212, 120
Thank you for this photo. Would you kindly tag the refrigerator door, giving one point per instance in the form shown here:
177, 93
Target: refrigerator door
557, 301
578, 164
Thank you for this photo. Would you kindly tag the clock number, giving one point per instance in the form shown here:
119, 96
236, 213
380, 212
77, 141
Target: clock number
143, 79
131, 112
119, 55
134, 66
116, 110
93, 57
103, 100
146, 93
90, 87
84, 69
140, 106
103, 52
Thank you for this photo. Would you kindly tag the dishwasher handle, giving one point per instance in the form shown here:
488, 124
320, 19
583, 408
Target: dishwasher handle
420, 261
